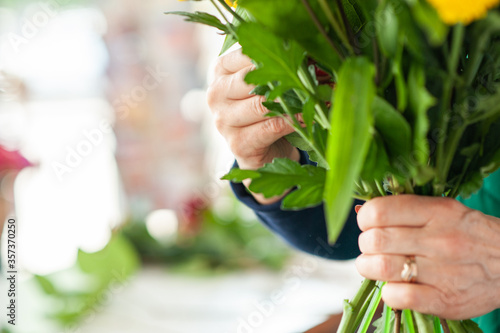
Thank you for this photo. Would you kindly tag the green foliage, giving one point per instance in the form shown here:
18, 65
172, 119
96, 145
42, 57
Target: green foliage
203, 18
281, 175
96, 273
352, 118
415, 108
225, 241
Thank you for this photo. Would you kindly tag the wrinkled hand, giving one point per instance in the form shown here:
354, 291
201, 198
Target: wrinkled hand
457, 252
240, 117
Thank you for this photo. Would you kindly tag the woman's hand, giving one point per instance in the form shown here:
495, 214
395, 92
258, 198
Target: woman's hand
240, 117
457, 253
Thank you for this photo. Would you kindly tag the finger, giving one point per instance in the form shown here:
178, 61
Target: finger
390, 267
424, 299
242, 113
232, 63
234, 85
400, 210
398, 240
253, 139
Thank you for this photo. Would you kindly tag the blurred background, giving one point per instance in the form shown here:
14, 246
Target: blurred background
110, 164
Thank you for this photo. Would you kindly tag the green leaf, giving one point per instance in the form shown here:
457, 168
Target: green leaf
116, 262
289, 19
420, 102
203, 18
230, 39
376, 163
393, 128
387, 29
281, 175
237, 175
425, 323
276, 60
48, 287
471, 326
428, 19
284, 174
348, 140
352, 15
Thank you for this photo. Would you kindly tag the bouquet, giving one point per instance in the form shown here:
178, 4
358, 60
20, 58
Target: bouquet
394, 96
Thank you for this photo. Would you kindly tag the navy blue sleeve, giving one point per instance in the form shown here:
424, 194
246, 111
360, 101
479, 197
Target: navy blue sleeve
305, 229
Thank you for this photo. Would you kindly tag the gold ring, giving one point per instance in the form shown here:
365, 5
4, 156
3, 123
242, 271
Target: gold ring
410, 271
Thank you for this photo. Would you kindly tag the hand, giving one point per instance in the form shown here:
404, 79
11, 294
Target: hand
457, 252
240, 117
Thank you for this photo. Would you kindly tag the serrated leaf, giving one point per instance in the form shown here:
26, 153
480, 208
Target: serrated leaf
348, 140
203, 18
289, 19
283, 174
261, 90
276, 60
237, 175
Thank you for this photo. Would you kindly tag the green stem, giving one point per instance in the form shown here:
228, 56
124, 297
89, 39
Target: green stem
387, 318
437, 325
335, 24
454, 192
444, 168
229, 24
408, 321
444, 324
372, 308
380, 188
350, 33
233, 12
298, 128
443, 117
322, 30
353, 309
308, 82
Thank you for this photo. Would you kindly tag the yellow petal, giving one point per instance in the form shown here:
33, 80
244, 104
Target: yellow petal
462, 11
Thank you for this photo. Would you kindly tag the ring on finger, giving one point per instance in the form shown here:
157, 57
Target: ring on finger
410, 271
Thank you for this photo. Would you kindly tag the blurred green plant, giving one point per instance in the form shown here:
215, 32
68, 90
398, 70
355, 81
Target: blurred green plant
223, 241
91, 280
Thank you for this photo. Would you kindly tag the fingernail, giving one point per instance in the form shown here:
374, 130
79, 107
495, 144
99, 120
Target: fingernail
357, 208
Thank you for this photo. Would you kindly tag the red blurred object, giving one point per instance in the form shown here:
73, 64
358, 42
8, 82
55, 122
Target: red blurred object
12, 160
192, 216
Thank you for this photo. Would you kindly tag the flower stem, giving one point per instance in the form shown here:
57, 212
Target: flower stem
446, 329
350, 33
397, 321
335, 24
355, 309
322, 30
229, 24
233, 12
372, 308
441, 159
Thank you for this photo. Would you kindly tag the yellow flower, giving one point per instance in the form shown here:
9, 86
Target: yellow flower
462, 11
231, 3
